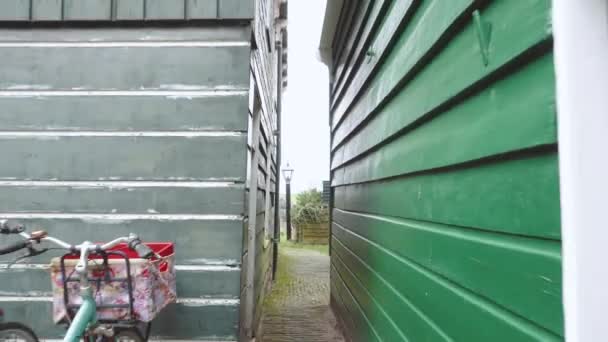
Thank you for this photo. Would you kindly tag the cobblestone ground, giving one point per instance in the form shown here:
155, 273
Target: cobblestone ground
298, 306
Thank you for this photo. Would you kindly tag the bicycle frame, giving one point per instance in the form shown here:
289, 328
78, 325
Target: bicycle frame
86, 316
86, 291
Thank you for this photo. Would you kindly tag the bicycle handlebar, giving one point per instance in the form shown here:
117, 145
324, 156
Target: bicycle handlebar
14, 247
132, 241
8, 228
142, 250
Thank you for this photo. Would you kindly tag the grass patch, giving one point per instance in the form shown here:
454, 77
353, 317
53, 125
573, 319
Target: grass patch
323, 249
280, 288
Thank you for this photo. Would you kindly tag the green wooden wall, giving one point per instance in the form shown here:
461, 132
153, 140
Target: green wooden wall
446, 217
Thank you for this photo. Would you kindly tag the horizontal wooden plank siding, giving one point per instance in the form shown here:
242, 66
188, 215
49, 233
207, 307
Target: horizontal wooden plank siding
123, 158
444, 172
213, 111
345, 52
217, 281
107, 131
211, 319
431, 15
119, 10
145, 35
262, 151
516, 196
368, 30
506, 116
122, 198
187, 68
201, 240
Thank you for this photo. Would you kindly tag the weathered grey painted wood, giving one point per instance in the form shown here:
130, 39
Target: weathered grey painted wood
231, 34
15, 10
260, 202
116, 145
130, 9
223, 112
249, 308
124, 68
197, 241
34, 281
44, 10
163, 9
201, 9
261, 276
263, 74
130, 198
261, 263
259, 229
269, 187
178, 321
244, 245
128, 153
87, 10
39, 312
259, 238
213, 284
219, 322
101, 10
236, 9
260, 66
123, 158
264, 78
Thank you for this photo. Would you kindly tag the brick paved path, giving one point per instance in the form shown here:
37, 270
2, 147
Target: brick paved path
298, 306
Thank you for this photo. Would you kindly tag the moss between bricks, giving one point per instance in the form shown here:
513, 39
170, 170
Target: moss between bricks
280, 288
285, 278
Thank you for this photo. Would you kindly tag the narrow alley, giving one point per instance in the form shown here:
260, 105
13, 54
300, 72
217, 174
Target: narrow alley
298, 306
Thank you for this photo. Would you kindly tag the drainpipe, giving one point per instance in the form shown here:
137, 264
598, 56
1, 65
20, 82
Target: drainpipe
277, 209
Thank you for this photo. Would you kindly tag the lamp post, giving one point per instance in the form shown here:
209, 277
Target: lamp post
288, 174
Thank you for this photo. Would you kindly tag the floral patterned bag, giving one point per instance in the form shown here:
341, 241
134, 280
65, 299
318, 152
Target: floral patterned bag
152, 281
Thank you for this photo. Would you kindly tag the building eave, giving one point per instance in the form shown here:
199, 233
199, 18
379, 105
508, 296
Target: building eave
330, 23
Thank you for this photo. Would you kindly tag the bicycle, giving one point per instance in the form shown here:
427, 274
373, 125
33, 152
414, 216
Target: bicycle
13, 331
121, 321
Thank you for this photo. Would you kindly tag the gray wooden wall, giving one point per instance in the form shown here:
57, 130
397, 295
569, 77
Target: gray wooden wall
53, 10
113, 130
262, 171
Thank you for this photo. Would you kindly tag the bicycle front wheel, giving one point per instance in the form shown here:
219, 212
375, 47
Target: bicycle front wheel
16, 332
127, 335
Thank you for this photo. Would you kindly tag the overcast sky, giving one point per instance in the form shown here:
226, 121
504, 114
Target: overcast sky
305, 130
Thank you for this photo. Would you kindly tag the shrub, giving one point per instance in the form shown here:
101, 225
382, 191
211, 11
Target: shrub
309, 208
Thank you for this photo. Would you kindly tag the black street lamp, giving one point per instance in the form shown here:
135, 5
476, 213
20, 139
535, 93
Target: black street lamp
288, 174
